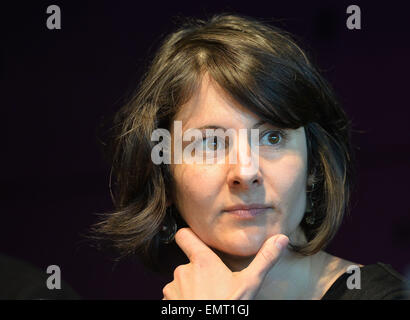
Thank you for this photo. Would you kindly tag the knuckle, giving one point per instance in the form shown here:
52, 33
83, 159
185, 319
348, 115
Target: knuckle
255, 281
178, 271
165, 290
251, 280
268, 255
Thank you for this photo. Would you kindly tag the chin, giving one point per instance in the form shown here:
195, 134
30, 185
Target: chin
244, 252
241, 247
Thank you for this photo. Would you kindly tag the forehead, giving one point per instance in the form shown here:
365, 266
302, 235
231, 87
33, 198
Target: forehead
211, 105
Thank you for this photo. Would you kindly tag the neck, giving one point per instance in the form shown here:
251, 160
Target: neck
294, 276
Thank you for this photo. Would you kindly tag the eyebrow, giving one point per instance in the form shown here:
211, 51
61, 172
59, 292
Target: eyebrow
256, 125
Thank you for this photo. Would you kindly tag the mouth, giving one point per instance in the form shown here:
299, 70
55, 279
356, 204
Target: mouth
247, 211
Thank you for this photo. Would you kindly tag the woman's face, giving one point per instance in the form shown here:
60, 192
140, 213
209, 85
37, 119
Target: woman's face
278, 181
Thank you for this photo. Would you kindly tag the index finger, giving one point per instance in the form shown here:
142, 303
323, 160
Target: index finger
192, 246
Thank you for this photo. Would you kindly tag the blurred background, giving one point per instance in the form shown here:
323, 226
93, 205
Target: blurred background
57, 86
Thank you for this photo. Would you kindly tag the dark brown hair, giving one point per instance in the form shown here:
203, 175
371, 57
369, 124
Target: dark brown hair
262, 68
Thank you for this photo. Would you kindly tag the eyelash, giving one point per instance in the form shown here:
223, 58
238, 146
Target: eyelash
283, 137
281, 133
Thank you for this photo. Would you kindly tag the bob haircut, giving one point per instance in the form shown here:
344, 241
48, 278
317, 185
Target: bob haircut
260, 67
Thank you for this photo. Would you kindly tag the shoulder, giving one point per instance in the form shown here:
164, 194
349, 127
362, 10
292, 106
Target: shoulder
377, 281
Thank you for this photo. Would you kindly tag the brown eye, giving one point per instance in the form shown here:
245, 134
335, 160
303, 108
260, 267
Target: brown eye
272, 138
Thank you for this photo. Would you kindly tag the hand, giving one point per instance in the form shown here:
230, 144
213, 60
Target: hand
206, 277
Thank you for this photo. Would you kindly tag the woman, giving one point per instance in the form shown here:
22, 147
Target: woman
255, 228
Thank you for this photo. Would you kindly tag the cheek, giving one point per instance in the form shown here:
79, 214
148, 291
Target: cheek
290, 185
290, 179
196, 190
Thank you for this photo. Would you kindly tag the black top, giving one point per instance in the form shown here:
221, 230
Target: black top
21, 280
377, 282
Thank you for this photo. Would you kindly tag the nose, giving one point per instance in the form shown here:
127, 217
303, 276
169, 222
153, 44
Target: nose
245, 173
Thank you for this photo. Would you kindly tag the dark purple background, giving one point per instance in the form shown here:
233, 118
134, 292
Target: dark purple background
56, 87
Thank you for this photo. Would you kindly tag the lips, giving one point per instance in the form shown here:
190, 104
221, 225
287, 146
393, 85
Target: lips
247, 211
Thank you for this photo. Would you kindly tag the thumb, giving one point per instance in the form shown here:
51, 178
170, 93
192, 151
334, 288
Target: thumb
267, 256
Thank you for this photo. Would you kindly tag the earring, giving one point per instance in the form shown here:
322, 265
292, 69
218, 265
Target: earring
168, 228
310, 218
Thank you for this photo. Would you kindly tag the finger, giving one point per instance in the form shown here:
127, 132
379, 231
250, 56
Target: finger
267, 255
192, 246
167, 291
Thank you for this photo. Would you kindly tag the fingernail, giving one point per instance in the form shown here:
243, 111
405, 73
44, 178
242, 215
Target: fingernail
281, 242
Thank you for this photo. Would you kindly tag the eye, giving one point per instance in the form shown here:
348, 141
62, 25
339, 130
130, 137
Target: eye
272, 137
212, 143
